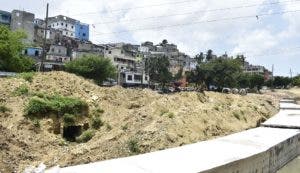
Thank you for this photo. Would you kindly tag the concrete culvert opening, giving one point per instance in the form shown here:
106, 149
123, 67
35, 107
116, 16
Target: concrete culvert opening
71, 132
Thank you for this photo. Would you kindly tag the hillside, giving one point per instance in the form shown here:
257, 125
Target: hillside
139, 119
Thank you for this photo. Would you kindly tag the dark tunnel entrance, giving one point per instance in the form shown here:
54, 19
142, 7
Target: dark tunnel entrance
71, 132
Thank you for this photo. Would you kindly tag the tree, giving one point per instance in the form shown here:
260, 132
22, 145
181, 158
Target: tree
93, 67
244, 80
280, 81
200, 58
158, 68
179, 74
257, 81
209, 55
164, 42
11, 46
296, 81
219, 72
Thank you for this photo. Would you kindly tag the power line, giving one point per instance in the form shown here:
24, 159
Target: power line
139, 7
198, 22
278, 52
199, 11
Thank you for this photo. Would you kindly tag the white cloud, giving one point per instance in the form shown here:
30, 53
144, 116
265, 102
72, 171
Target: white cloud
267, 34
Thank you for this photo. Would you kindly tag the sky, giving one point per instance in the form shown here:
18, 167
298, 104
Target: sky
267, 32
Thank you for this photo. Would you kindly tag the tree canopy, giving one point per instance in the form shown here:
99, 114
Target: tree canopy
93, 67
11, 46
219, 72
158, 68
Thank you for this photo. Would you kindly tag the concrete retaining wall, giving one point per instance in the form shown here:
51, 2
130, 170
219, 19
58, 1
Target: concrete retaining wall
259, 150
269, 161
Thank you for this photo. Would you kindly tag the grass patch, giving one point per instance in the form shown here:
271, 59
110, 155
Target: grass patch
237, 115
108, 127
255, 108
99, 110
36, 123
4, 109
59, 105
69, 119
216, 108
97, 122
27, 76
21, 90
125, 127
85, 136
133, 146
171, 115
163, 111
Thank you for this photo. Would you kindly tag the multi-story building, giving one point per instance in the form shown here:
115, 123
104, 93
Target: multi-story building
69, 27
56, 57
82, 31
121, 58
258, 70
177, 59
22, 20
5, 18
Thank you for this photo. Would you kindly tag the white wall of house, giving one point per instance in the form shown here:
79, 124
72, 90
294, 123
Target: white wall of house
66, 27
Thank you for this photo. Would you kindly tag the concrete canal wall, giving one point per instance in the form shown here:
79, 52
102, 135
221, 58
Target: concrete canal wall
260, 150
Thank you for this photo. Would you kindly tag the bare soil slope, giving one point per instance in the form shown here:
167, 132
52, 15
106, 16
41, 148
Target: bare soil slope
136, 118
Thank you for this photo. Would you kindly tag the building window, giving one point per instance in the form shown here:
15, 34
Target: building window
66, 25
109, 52
129, 77
146, 78
122, 52
84, 34
71, 34
26, 52
62, 24
59, 50
53, 25
72, 27
57, 24
66, 33
52, 50
137, 77
36, 53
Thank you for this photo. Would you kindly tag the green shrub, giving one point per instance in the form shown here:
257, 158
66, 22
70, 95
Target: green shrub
21, 90
108, 127
163, 111
4, 109
216, 108
27, 76
171, 115
125, 127
100, 111
36, 123
97, 122
237, 115
85, 136
69, 119
55, 104
92, 67
133, 146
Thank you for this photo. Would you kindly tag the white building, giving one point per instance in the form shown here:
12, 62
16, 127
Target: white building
64, 24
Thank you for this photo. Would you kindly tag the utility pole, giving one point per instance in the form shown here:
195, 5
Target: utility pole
272, 84
44, 41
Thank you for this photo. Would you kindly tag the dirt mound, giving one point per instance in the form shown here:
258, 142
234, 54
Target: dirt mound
135, 120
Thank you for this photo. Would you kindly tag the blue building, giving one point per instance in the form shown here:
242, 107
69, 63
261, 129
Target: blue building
82, 31
33, 51
5, 18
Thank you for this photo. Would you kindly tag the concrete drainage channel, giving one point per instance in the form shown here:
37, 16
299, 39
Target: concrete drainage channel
265, 149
